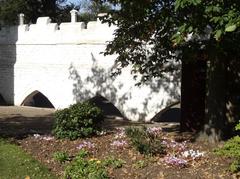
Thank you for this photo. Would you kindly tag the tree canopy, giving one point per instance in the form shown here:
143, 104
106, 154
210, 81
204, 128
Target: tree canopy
90, 9
171, 29
154, 35
57, 10
31, 8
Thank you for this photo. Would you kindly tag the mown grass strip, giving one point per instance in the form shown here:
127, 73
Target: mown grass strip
15, 163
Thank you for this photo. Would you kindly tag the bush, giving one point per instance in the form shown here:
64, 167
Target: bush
232, 149
145, 142
83, 168
235, 166
77, 121
238, 126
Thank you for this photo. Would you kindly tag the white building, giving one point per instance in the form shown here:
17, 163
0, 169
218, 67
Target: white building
64, 64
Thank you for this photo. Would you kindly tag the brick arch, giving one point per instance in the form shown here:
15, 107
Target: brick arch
37, 99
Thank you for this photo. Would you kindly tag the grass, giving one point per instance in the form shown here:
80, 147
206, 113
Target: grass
15, 163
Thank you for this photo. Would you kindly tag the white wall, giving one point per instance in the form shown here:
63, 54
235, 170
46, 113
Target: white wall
66, 66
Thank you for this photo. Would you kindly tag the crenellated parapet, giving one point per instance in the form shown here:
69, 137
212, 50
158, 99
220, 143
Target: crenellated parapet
65, 63
45, 32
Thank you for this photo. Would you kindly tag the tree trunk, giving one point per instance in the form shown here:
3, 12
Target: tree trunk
193, 95
215, 125
233, 94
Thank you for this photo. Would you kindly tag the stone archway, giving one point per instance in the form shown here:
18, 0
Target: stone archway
172, 113
109, 109
37, 99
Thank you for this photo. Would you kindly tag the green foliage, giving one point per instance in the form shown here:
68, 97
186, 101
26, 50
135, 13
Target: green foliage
91, 10
91, 168
15, 163
32, 9
144, 142
140, 164
238, 126
57, 10
165, 26
61, 157
219, 16
83, 168
235, 166
231, 149
79, 120
82, 154
113, 162
183, 3
154, 36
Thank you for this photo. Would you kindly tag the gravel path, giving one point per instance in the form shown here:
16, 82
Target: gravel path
21, 121
18, 121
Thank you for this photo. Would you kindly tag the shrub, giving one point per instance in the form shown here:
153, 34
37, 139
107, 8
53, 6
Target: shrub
79, 120
145, 142
83, 168
235, 166
61, 157
238, 126
232, 149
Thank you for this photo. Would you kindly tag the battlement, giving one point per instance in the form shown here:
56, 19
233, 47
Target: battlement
45, 32
64, 62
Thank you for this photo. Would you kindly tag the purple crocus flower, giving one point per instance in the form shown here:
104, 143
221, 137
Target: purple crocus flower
155, 131
119, 143
86, 144
175, 161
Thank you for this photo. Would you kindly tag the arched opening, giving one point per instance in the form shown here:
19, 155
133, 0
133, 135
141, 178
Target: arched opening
37, 99
109, 110
171, 113
2, 101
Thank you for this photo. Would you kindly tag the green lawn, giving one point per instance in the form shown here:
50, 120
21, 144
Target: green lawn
16, 164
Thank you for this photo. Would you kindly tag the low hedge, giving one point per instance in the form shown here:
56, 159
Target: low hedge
78, 121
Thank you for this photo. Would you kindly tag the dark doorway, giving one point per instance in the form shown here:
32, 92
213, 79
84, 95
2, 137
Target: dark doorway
171, 113
37, 99
109, 110
2, 101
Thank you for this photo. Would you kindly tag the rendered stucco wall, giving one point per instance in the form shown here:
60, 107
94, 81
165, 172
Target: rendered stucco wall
64, 63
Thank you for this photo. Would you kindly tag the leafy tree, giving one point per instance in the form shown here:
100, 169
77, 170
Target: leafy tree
57, 10
63, 12
154, 35
9, 10
90, 9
